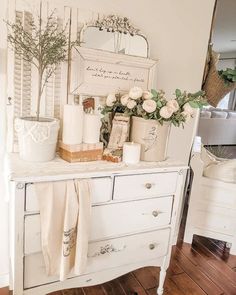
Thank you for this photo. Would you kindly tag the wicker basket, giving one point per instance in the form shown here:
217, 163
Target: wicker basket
214, 86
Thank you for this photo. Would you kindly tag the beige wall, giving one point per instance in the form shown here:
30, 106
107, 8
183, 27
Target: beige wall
177, 31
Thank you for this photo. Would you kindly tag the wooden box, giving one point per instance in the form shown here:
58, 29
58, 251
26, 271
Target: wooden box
81, 152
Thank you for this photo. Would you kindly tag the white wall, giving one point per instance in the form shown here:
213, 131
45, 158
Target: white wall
3, 205
178, 32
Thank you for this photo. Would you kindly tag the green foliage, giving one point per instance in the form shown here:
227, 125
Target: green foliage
228, 75
154, 93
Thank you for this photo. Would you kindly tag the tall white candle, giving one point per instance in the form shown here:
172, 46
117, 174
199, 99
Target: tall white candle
92, 125
131, 152
72, 124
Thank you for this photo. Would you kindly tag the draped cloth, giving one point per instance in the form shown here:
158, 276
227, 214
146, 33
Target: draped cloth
65, 211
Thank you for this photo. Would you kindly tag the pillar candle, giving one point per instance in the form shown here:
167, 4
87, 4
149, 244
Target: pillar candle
92, 125
72, 124
131, 152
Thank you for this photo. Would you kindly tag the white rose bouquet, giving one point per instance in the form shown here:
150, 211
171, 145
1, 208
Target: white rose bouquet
153, 105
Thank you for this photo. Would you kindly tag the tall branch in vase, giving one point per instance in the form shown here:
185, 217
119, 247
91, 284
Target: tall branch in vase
43, 44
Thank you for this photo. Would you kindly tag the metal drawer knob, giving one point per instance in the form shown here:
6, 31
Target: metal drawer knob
152, 246
155, 213
148, 185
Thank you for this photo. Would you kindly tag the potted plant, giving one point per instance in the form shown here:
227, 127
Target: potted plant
44, 45
218, 83
152, 114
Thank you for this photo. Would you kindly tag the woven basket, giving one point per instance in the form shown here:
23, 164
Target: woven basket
214, 86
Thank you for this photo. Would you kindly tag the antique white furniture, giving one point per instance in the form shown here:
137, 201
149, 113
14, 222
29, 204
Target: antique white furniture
212, 206
135, 219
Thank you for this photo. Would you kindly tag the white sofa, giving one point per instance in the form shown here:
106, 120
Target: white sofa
217, 127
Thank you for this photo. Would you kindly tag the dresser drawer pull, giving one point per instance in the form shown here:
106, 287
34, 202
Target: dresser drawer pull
152, 246
148, 185
107, 249
155, 213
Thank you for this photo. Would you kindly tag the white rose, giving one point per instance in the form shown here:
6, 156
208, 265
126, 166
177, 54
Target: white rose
124, 99
166, 112
187, 108
135, 93
131, 104
186, 115
173, 104
147, 95
149, 105
111, 99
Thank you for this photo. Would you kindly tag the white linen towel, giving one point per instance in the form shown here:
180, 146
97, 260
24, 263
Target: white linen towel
65, 211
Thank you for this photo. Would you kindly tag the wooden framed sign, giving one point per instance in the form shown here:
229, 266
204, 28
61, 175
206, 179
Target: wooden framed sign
97, 72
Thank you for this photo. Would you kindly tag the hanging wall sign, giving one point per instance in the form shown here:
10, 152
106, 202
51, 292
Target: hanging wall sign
97, 72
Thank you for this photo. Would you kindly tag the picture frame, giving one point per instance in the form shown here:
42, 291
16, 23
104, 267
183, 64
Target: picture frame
97, 73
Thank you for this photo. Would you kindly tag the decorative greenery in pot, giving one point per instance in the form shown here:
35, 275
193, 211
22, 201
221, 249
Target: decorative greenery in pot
44, 45
152, 114
228, 75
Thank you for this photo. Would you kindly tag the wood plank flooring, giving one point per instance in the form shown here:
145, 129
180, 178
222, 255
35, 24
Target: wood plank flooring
203, 268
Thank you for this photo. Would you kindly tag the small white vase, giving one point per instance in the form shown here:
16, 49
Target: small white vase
37, 139
152, 136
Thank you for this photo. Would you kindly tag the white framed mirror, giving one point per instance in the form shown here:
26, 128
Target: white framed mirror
115, 34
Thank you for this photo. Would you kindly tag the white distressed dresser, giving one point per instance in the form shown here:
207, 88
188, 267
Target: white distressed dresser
135, 220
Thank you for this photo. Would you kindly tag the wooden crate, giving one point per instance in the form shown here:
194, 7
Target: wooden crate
81, 152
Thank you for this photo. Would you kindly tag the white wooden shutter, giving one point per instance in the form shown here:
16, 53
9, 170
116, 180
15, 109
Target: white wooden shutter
22, 74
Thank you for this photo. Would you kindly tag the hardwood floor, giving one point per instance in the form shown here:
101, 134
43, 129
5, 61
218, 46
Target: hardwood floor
205, 267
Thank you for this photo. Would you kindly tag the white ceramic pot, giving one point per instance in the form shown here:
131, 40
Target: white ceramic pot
37, 139
152, 136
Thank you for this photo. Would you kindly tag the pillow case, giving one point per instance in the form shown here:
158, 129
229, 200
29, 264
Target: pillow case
224, 171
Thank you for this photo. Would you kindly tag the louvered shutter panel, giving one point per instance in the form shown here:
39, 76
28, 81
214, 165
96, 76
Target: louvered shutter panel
22, 75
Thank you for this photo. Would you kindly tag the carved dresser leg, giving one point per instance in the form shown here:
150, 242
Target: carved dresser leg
162, 277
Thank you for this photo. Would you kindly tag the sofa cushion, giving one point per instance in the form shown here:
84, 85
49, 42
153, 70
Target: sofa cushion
205, 114
219, 114
223, 170
231, 115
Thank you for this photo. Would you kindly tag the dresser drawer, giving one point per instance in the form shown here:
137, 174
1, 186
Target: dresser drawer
141, 186
104, 255
101, 190
112, 220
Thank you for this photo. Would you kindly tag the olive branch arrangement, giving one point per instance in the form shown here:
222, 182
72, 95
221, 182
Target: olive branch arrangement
43, 44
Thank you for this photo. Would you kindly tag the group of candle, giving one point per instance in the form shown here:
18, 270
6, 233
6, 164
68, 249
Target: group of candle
80, 127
